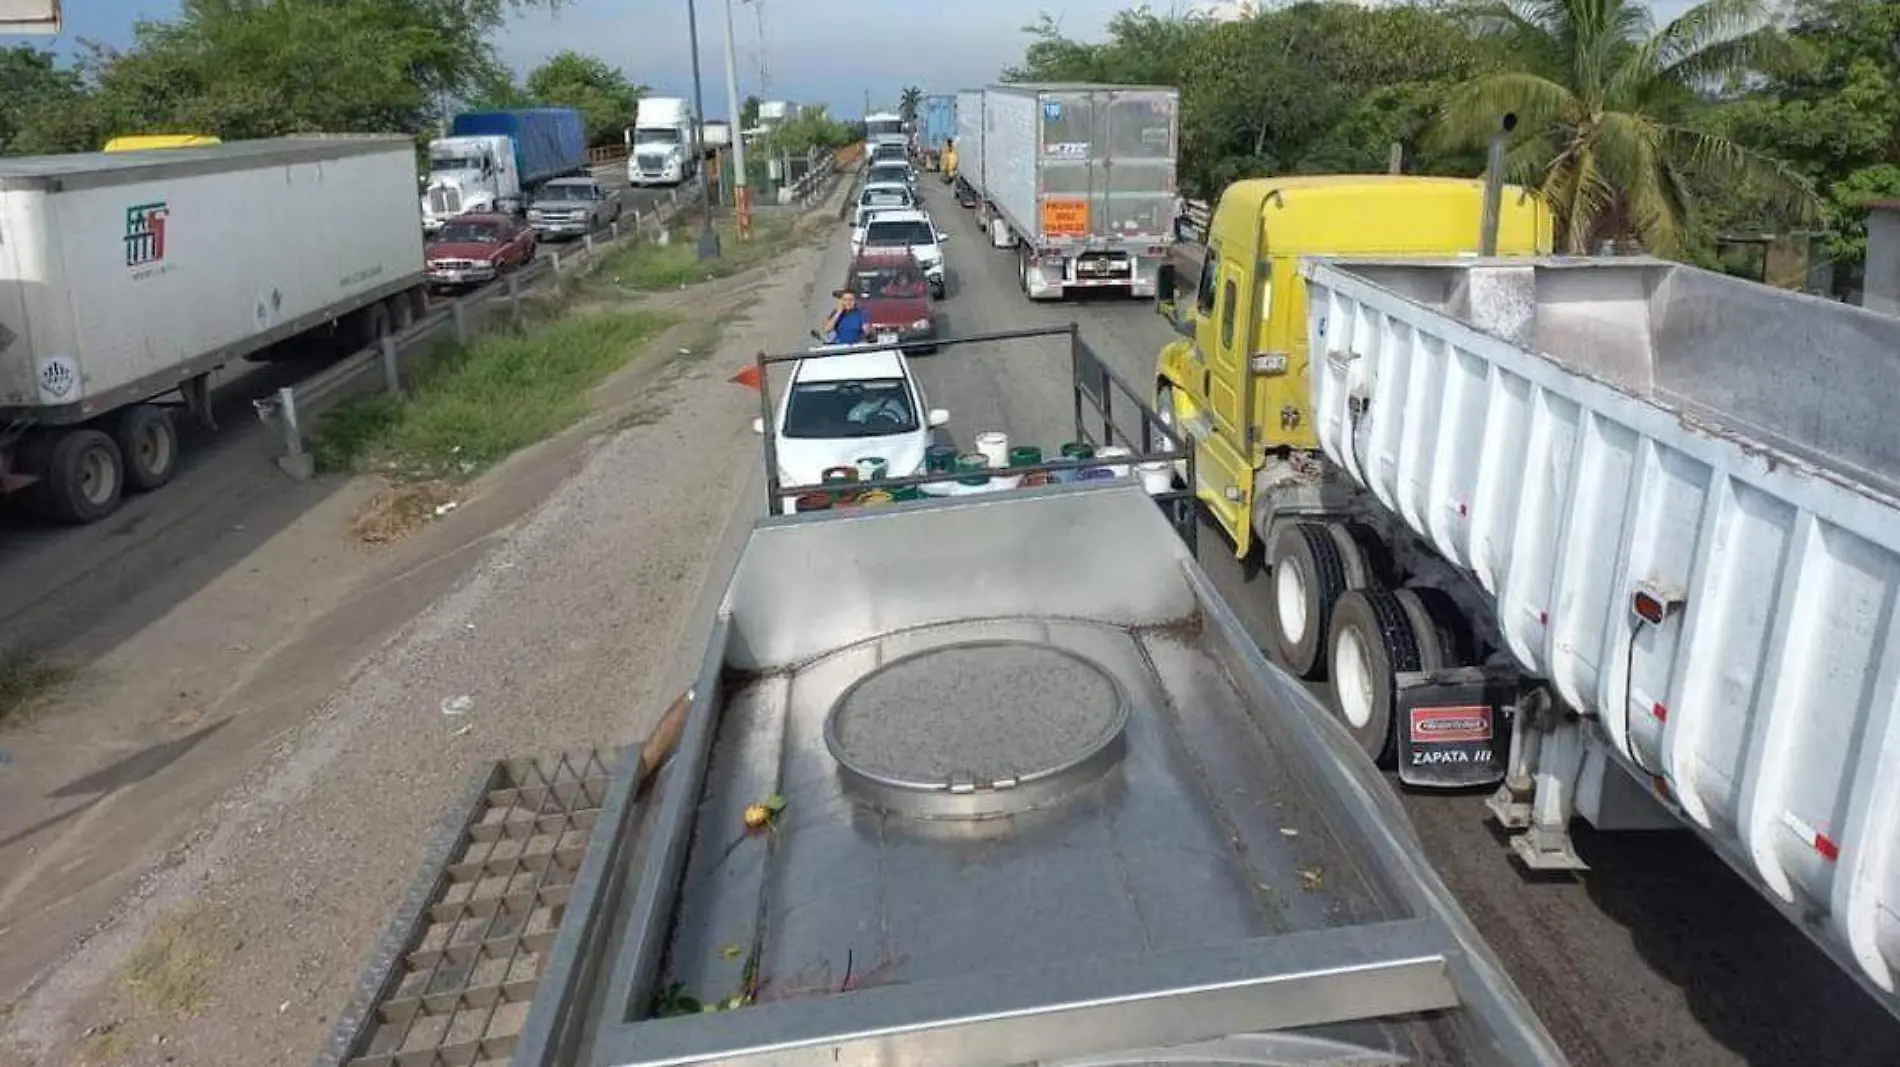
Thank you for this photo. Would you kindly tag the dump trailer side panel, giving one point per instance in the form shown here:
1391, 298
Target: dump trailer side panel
124, 274
1700, 563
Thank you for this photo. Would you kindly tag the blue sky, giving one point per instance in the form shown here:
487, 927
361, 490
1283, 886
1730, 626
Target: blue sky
816, 51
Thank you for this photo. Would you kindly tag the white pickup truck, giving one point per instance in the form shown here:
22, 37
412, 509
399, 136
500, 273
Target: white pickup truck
1681, 492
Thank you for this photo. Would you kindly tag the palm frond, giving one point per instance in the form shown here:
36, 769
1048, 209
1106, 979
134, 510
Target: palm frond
1725, 162
1472, 113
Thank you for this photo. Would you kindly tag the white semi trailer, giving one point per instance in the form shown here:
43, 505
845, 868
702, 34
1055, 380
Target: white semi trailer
130, 278
1078, 180
1678, 491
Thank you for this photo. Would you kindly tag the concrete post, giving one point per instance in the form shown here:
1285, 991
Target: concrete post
392, 374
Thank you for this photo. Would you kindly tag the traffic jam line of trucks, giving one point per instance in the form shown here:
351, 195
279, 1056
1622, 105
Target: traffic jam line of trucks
1562, 528
129, 276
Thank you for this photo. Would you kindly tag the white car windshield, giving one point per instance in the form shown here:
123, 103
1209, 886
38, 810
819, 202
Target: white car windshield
875, 407
883, 233
560, 191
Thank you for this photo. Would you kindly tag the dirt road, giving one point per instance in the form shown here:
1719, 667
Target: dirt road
233, 797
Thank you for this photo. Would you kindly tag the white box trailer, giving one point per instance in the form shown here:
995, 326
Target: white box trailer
125, 277
1681, 491
969, 140
1080, 181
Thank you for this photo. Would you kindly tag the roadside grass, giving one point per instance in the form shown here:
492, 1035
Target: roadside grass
650, 267
25, 680
468, 407
169, 974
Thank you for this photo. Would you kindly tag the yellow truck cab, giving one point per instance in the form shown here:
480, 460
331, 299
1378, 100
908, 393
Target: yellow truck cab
142, 142
1349, 598
1237, 380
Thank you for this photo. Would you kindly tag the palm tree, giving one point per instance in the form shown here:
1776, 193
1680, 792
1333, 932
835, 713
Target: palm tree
908, 104
1600, 102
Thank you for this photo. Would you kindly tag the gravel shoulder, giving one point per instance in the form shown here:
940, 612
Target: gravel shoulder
555, 600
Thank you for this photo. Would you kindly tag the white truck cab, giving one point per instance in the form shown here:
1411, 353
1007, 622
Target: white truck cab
660, 149
469, 174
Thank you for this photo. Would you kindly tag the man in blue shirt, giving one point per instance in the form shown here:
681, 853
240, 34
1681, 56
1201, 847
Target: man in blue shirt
848, 321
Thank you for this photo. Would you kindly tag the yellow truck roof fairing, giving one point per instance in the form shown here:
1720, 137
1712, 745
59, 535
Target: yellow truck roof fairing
144, 141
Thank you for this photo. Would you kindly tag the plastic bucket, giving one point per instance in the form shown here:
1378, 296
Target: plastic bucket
994, 446
1025, 455
874, 497
813, 502
838, 476
1114, 451
974, 466
906, 492
1157, 476
1074, 450
940, 459
872, 468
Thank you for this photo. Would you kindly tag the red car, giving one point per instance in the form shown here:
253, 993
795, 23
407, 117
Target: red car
474, 250
891, 287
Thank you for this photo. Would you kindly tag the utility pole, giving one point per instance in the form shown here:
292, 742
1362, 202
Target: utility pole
742, 196
708, 237
765, 79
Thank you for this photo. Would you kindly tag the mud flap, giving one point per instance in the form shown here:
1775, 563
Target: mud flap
1454, 727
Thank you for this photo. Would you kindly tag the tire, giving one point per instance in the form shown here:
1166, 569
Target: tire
148, 446
1370, 642
372, 324
1308, 578
84, 477
1444, 639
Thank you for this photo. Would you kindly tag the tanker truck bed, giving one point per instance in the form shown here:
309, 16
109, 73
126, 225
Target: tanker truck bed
1033, 796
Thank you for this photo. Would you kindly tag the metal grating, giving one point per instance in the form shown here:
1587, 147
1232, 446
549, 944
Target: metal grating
473, 948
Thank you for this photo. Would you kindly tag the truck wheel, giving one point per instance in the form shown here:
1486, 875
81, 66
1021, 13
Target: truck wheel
148, 446
372, 323
1444, 639
1370, 643
1308, 578
84, 476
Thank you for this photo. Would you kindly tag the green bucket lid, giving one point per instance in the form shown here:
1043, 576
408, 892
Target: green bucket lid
1078, 450
1025, 455
906, 492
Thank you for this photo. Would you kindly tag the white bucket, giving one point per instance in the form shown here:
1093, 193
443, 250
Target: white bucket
1112, 452
994, 444
1157, 476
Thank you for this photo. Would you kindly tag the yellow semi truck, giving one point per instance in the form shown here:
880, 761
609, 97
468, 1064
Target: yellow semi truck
1237, 385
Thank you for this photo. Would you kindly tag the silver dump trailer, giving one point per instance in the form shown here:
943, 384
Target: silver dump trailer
1681, 492
986, 780
1079, 180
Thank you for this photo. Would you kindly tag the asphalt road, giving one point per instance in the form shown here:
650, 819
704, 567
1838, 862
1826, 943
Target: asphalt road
1658, 955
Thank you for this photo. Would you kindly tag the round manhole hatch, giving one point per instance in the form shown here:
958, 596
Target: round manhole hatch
977, 729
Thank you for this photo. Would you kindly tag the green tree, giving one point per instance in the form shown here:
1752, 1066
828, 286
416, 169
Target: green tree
602, 94
31, 83
749, 113
908, 103
1604, 101
812, 129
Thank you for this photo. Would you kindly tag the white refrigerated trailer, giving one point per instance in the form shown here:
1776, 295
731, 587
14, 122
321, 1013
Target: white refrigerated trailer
1079, 180
127, 278
1681, 492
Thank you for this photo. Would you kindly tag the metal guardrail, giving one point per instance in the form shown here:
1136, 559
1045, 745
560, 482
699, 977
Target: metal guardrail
292, 410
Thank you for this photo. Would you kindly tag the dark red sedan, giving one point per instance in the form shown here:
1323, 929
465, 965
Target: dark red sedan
891, 287
474, 250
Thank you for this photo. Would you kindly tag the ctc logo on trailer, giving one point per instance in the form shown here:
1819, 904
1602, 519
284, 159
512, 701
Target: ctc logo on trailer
145, 234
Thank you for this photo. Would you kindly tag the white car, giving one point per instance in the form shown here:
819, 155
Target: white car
908, 229
865, 217
851, 405
881, 196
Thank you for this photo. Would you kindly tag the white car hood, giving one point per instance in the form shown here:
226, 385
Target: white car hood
803, 461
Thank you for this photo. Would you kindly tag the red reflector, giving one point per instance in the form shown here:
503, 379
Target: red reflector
1661, 713
1543, 618
1648, 608
1826, 847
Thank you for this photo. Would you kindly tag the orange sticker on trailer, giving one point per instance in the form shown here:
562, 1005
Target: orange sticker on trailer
1065, 218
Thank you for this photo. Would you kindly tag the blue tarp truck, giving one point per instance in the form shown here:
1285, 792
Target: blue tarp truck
936, 124
550, 142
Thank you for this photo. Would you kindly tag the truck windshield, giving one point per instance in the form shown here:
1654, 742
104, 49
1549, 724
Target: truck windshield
874, 407
883, 127
442, 163
659, 137
898, 234
470, 233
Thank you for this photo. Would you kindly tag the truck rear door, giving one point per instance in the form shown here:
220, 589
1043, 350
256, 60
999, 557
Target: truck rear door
1107, 164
